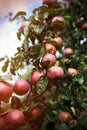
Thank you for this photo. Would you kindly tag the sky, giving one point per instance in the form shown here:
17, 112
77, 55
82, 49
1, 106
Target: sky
8, 38
8, 30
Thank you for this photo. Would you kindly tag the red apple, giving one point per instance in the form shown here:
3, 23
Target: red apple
58, 40
72, 72
37, 113
15, 118
21, 87
55, 72
35, 76
58, 18
68, 51
64, 116
48, 60
23, 25
2, 124
6, 91
50, 48
84, 26
48, 2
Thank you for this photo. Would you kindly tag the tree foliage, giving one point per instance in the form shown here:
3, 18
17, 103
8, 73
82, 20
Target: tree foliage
61, 94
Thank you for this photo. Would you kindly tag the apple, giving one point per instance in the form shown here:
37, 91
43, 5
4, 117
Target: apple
36, 114
50, 48
48, 60
21, 87
48, 2
84, 26
15, 118
6, 91
58, 19
23, 25
58, 40
2, 124
72, 122
35, 76
68, 51
64, 116
55, 72
72, 72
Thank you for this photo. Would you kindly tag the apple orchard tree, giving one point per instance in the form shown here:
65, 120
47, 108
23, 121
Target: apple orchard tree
52, 94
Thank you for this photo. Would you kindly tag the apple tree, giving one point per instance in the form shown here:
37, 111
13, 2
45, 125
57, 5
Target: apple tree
51, 95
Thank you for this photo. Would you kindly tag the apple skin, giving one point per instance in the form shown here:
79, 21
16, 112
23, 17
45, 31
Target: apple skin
48, 2
50, 48
37, 114
48, 58
58, 40
72, 72
6, 91
84, 26
2, 124
58, 18
15, 118
68, 51
21, 87
55, 72
23, 25
35, 76
64, 116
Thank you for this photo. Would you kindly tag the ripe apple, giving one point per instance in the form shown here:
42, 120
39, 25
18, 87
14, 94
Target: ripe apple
2, 124
68, 51
35, 76
23, 25
6, 91
59, 20
48, 2
72, 72
21, 87
58, 40
64, 116
84, 26
36, 114
50, 48
55, 72
15, 118
48, 60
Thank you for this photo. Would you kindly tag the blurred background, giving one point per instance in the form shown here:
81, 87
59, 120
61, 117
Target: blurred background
8, 30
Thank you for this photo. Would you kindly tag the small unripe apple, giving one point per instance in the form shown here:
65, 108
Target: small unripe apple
2, 124
23, 25
68, 51
37, 113
64, 116
50, 48
55, 72
48, 2
58, 40
48, 59
21, 87
6, 91
84, 26
72, 72
15, 118
35, 76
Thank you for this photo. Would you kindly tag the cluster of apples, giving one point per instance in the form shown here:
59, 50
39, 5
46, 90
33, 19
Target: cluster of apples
16, 117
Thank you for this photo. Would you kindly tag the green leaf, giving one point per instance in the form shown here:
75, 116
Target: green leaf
41, 85
62, 126
78, 78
